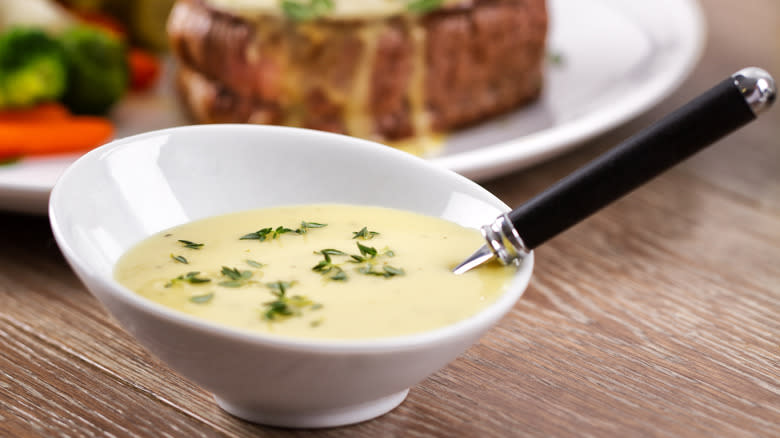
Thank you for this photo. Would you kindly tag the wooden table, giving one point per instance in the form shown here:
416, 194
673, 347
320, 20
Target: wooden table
658, 316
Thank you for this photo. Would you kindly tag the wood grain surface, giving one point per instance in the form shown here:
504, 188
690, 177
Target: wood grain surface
658, 316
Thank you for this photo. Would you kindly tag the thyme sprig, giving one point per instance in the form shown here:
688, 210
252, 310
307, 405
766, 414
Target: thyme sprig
364, 234
285, 306
366, 258
305, 226
190, 244
274, 233
202, 299
254, 264
260, 234
235, 277
326, 266
190, 277
387, 271
180, 259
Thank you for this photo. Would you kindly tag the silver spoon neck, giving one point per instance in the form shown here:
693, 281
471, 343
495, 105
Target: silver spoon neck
503, 242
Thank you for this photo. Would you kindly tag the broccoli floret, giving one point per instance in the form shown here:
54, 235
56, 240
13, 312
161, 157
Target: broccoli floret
98, 73
32, 68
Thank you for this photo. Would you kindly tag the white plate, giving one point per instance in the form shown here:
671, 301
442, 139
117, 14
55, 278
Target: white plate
619, 58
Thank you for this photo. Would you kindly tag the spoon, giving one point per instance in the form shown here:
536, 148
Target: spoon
717, 112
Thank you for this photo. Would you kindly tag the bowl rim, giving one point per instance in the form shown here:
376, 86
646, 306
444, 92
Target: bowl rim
476, 323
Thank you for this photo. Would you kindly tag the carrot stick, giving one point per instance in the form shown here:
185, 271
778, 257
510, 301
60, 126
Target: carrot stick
42, 111
74, 134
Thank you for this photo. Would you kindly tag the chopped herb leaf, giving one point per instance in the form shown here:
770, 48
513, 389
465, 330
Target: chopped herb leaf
190, 277
422, 6
391, 271
235, 274
201, 299
330, 252
326, 265
281, 230
305, 226
280, 286
254, 264
285, 306
357, 258
366, 250
364, 234
180, 259
340, 275
302, 11
235, 277
260, 235
191, 245
387, 271
274, 233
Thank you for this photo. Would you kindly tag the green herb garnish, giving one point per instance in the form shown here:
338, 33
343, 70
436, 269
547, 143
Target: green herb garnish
339, 275
180, 259
387, 271
281, 230
285, 306
274, 233
190, 277
254, 264
422, 6
364, 234
201, 299
366, 253
191, 245
235, 277
306, 10
305, 226
330, 252
280, 286
326, 266
260, 235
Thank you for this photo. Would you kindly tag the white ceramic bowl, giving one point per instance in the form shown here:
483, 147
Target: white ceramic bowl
118, 194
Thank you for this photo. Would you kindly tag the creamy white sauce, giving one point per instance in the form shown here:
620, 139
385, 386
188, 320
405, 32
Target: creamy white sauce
425, 294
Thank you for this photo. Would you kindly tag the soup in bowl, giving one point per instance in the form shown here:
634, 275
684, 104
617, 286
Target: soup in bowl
303, 278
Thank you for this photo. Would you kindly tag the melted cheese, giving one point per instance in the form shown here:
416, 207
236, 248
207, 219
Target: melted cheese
294, 41
342, 9
425, 297
357, 116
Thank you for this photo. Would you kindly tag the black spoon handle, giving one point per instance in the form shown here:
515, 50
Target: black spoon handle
701, 122
719, 111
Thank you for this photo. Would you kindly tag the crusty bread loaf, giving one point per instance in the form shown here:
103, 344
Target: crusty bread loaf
386, 78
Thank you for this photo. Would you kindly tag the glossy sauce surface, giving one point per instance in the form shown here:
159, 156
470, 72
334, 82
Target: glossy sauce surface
405, 287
